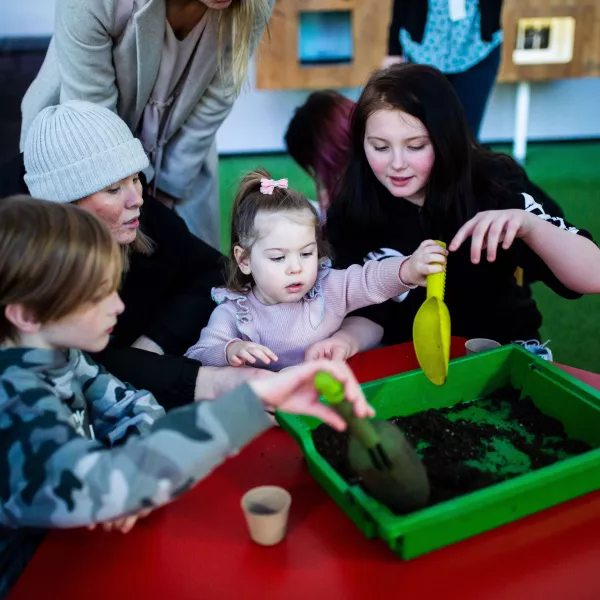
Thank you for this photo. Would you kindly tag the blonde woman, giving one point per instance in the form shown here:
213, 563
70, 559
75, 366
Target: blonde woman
171, 69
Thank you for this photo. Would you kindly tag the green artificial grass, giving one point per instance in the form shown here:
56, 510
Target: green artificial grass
568, 171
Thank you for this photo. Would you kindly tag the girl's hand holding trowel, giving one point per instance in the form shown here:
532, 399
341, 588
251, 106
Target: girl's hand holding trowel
428, 258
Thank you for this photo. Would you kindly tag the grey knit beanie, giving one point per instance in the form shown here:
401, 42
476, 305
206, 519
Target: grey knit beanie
78, 148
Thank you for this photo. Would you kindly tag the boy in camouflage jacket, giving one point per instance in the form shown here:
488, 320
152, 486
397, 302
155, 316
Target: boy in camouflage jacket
77, 446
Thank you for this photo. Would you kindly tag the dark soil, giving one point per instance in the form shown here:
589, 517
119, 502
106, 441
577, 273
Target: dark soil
463, 455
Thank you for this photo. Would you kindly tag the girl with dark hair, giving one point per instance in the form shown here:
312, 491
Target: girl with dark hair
415, 172
318, 139
282, 298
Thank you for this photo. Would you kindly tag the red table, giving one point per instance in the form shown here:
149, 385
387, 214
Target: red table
198, 548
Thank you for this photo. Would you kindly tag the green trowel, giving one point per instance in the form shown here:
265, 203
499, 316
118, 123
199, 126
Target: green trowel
379, 453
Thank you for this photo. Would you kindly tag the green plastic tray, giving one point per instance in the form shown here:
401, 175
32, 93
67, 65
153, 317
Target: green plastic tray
553, 391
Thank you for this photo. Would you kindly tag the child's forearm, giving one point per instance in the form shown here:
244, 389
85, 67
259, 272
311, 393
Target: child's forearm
116, 407
214, 381
210, 352
222, 329
372, 283
83, 482
574, 260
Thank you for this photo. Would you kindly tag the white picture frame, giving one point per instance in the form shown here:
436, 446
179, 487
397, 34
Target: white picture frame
544, 40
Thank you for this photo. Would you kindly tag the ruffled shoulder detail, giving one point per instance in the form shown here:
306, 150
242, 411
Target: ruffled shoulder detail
315, 295
243, 316
220, 295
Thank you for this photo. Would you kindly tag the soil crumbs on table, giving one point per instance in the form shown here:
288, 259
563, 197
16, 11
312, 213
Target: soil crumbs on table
471, 445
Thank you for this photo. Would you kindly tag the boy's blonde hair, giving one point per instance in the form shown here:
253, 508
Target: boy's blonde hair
249, 200
54, 259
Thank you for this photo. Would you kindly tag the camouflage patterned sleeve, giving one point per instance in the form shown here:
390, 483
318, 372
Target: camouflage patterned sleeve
117, 408
50, 476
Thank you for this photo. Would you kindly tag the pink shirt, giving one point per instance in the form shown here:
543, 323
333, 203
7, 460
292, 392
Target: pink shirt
288, 329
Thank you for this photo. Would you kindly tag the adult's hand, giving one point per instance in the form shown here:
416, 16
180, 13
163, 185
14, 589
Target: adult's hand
355, 335
337, 347
214, 381
293, 391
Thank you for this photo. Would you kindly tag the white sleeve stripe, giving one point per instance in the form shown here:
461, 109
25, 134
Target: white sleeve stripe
536, 209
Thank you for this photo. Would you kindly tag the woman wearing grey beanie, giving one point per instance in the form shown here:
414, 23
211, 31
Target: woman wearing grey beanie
171, 69
83, 153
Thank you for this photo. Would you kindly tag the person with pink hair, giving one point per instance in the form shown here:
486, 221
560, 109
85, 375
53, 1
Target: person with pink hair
318, 139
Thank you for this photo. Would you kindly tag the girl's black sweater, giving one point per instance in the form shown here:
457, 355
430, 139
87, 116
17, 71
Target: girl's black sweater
484, 300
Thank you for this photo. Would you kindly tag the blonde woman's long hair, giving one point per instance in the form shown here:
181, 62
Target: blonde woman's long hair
238, 23
142, 245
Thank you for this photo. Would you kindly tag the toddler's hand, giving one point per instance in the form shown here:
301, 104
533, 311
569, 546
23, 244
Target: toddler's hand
429, 258
337, 347
488, 228
240, 353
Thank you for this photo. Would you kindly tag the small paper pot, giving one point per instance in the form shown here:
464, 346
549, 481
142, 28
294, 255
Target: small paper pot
477, 345
266, 509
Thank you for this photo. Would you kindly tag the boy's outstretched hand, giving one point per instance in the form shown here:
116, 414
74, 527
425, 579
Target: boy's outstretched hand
489, 228
293, 391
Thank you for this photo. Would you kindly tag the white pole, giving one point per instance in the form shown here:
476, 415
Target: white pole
521, 121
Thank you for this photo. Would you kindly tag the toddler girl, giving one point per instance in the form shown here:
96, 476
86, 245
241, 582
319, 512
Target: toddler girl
282, 295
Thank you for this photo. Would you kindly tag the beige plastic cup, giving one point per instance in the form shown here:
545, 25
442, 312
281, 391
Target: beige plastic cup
266, 509
477, 345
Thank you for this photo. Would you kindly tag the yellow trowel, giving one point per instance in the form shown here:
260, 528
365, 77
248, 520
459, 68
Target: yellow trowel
431, 330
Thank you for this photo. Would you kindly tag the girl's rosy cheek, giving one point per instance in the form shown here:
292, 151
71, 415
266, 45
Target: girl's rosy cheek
377, 164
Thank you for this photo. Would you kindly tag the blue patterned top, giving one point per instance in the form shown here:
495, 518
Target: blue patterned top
451, 46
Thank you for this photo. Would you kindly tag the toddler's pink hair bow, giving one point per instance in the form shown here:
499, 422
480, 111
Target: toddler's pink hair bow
268, 185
